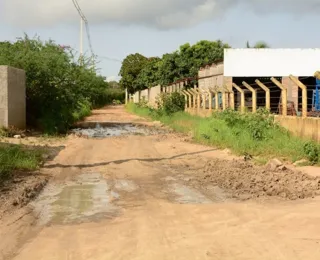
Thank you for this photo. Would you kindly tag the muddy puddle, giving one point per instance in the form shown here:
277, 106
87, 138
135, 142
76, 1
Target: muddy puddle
110, 130
88, 198
184, 193
187, 195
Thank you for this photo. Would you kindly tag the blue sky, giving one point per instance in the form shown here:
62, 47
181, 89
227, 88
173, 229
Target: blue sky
152, 28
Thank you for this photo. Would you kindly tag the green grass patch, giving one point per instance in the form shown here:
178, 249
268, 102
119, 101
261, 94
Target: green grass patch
15, 157
254, 134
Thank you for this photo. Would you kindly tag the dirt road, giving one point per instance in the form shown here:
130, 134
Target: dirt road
137, 197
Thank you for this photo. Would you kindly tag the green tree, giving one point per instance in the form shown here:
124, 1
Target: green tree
130, 69
149, 75
258, 45
168, 69
191, 58
139, 72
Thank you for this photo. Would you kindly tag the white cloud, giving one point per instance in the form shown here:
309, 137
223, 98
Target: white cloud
161, 14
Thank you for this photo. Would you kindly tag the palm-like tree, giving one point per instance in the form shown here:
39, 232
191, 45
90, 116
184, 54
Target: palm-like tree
259, 45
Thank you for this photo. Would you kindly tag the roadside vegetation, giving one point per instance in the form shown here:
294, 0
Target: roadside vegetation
245, 134
16, 157
60, 90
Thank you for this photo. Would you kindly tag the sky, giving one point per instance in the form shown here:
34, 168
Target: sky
155, 27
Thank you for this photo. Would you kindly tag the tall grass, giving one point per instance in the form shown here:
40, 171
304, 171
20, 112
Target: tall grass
254, 134
15, 157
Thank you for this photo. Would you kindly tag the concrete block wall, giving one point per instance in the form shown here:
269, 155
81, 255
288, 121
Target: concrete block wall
149, 95
153, 94
144, 94
12, 97
303, 127
214, 74
136, 97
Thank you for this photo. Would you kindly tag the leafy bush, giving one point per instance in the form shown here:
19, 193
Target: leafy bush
256, 124
169, 103
142, 104
312, 151
59, 90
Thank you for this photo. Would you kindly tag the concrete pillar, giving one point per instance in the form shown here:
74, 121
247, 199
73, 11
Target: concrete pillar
231, 98
227, 82
12, 97
254, 96
292, 91
126, 101
210, 101
267, 90
284, 95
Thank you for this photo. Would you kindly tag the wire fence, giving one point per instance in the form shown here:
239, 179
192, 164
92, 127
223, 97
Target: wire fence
296, 103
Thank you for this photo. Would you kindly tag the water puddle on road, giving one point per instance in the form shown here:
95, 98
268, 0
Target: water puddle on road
183, 192
114, 130
88, 198
187, 195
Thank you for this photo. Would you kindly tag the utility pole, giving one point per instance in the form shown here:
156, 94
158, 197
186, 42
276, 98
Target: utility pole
81, 40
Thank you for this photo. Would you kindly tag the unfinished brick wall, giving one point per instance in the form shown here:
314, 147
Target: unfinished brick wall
12, 97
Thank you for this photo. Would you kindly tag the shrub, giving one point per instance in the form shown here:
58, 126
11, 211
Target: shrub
59, 90
169, 103
312, 152
256, 124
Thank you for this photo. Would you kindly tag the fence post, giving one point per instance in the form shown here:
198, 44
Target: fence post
283, 95
231, 96
216, 97
267, 90
186, 99
254, 96
203, 95
181, 84
223, 100
194, 95
242, 102
304, 95
190, 97
210, 99
196, 90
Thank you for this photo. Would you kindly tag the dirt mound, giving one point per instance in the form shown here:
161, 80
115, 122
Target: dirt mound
244, 180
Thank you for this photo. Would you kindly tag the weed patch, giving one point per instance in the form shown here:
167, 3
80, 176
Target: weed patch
254, 134
15, 157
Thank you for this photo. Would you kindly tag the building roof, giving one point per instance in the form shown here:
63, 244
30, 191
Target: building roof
251, 62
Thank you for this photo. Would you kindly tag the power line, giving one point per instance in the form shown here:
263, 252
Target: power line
77, 6
84, 18
109, 58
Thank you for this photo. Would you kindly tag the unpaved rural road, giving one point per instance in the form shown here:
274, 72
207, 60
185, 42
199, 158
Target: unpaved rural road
135, 197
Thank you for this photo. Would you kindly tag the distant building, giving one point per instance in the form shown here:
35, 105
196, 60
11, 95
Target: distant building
249, 64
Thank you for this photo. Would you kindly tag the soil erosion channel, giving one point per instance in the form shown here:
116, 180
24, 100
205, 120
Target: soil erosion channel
127, 191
